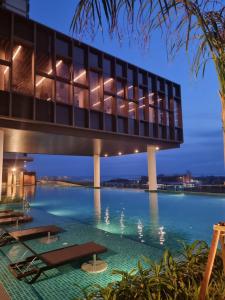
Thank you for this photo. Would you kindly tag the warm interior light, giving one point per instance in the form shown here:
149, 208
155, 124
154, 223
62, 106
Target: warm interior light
156, 148
95, 89
130, 87
136, 151
106, 99
49, 72
108, 81
132, 109
120, 92
14, 56
106, 155
142, 106
97, 103
79, 76
122, 106
151, 94
141, 98
14, 169
119, 153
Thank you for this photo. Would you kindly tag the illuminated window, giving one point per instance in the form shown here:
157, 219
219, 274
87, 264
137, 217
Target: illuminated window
80, 74
95, 91
142, 104
44, 52
4, 49
44, 88
122, 107
63, 92
132, 110
62, 69
22, 70
120, 89
109, 104
4, 78
151, 114
81, 97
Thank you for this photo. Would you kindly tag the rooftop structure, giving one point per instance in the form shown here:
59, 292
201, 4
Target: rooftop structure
61, 96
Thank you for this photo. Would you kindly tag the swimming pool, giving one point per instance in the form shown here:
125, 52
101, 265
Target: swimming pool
160, 220
130, 223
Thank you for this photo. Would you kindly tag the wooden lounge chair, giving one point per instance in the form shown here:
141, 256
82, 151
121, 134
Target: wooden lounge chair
12, 220
53, 259
11, 214
3, 293
9, 236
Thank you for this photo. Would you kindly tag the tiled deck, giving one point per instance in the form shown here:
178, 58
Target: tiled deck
61, 283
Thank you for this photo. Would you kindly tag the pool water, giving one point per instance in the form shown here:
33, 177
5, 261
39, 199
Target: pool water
130, 223
159, 220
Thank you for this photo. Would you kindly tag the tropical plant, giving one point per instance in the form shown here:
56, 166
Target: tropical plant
169, 279
196, 25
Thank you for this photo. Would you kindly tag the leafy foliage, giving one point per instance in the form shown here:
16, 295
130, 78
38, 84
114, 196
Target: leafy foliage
168, 279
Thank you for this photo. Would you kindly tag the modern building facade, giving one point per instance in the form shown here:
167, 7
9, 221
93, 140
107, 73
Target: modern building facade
61, 96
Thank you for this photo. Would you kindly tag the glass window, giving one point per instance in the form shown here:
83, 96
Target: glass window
150, 84
130, 91
81, 97
95, 91
4, 78
160, 85
4, 49
176, 91
62, 47
120, 89
22, 70
167, 119
119, 70
44, 88
177, 114
161, 101
122, 107
78, 56
109, 104
63, 92
107, 66
130, 75
161, 116
132, 111
94, 60
62, 69
80, 75
108, 84
151, 99
44, 52
151, 114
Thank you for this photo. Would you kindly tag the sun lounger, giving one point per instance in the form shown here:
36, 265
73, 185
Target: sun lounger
53, 259
6, 210
11, 214
3, 293
21, 219
9, 236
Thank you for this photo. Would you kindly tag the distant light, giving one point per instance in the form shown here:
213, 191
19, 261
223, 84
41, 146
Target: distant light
106, 155
119, 153
14, 169
156, 148
136, 151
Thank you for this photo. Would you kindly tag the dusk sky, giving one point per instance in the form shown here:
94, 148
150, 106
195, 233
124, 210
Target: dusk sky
202, 151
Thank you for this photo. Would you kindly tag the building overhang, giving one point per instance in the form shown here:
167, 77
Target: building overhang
44, 138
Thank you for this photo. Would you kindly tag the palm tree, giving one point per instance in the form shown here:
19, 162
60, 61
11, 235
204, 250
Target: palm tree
196, 25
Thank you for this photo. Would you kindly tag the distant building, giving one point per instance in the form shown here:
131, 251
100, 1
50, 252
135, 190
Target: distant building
15, 172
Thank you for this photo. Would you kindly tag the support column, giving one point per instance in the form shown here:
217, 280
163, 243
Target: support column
1, 159
97, 171
152, 176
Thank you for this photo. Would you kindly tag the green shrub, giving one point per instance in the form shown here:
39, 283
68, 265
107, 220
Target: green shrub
169, 279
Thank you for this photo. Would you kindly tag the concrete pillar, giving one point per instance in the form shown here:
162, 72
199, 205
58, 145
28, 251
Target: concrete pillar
152, 176
97, 171
1, 159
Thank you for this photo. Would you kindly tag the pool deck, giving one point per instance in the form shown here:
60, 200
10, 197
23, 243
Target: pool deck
63, 282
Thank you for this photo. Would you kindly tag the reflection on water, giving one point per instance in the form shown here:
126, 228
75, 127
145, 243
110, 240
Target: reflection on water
107, 217
161, 235
15, 192
140, 230
154, 212
97, 205
122, 222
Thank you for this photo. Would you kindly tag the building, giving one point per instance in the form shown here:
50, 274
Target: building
61, 96
15, 170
